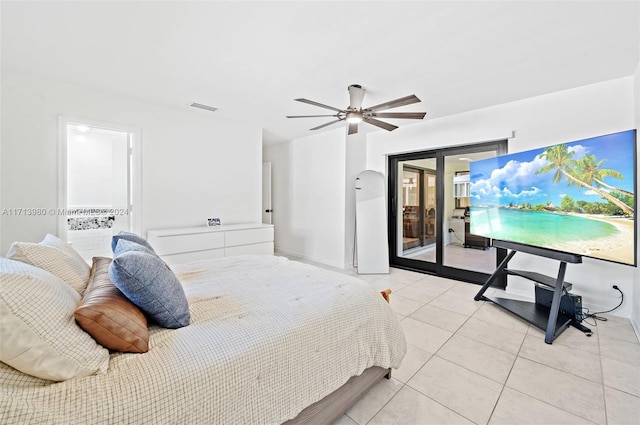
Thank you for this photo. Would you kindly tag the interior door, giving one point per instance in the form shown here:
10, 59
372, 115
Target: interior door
266, 193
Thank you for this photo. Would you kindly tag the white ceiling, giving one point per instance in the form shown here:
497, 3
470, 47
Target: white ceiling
251, 59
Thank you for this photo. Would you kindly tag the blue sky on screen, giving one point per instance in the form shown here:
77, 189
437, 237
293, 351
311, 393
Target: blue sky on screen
511, 178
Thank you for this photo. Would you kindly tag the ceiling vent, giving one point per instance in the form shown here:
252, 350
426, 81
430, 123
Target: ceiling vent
205, 107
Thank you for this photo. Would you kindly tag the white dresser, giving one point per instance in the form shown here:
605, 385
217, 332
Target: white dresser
188, 244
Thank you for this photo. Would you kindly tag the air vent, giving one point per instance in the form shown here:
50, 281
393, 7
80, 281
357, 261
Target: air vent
201, 106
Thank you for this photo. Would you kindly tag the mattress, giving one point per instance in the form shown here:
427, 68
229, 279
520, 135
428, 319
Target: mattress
268, 337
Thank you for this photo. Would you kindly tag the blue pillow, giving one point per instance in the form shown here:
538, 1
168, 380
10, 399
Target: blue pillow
124, 245
149, 283
129, 237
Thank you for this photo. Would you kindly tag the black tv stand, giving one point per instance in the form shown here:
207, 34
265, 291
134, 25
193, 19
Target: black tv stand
548, 319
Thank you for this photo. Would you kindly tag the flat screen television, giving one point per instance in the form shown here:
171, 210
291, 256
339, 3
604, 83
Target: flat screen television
577, 197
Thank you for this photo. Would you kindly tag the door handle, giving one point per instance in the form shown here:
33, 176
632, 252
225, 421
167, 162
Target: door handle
268, 211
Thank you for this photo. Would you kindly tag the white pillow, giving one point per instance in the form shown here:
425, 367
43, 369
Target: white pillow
51, 240
38, 334
56, 257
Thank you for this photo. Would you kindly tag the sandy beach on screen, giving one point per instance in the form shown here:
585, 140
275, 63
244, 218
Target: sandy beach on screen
619, 247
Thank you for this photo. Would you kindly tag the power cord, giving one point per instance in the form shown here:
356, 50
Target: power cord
454, 234
594, 315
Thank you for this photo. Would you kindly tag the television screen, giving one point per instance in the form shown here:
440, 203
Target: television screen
576, 197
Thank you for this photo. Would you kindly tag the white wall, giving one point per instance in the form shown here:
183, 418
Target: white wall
355, 163
583, 112
635, 300
90, 169
308, 190
194, 165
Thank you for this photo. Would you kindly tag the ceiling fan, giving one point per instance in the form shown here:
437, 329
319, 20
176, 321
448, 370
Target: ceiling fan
355, 113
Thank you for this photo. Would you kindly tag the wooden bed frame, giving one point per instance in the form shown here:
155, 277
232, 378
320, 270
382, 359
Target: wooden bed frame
330, 408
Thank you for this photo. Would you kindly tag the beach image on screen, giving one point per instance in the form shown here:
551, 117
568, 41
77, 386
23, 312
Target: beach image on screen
577, 197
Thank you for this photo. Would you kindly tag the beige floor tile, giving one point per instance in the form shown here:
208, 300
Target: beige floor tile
622, 408
345, 420
620, 349
456, 304
424, 336
494, 335
478, 357
517, 408
371, 277
422, 294
578, 340
409, 407
391, 283
371, 403
617, 327
464, 290
436, 283
576, 395
562, 357
402, 305
621, 375
444, 319
463, 391
489, 312
411, 363
406, 276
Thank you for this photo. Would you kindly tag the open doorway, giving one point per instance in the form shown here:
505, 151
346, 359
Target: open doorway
99, 184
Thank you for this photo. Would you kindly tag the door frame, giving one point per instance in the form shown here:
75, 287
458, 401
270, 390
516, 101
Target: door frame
437, 268
135, 169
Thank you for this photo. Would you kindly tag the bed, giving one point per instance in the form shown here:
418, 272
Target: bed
269, 341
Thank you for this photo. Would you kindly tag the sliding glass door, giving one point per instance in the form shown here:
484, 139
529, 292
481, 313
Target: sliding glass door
429, 197
418, 204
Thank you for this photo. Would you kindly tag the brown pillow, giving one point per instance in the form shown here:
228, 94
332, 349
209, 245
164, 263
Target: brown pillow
108, 316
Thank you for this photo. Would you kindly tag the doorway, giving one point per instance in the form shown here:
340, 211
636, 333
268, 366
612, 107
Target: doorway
99, 184
429, 197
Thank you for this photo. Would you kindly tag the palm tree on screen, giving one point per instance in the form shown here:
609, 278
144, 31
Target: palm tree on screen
562, 163
590, 171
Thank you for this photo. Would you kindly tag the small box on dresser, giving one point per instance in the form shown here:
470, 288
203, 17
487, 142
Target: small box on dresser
183, 245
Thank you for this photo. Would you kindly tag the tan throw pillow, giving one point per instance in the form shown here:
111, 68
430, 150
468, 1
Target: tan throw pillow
108, 316
55, 256
38, 335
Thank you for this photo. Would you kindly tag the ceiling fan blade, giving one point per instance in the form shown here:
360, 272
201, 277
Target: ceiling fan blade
403, 115
353, 128
310, 116
380, 124
325, 125
356, 94
311, 102
407, 100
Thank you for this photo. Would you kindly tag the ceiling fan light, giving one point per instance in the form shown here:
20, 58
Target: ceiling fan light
354, 117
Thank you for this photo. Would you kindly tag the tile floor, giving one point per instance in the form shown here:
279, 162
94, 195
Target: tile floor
469, 362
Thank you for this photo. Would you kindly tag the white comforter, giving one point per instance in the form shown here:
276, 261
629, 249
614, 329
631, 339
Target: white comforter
268, 337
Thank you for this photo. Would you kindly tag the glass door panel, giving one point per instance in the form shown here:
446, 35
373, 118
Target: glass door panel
418, 203
411, 235
461, 249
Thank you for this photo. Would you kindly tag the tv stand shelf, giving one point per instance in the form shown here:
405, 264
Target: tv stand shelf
537, 277
548, 319
533, 313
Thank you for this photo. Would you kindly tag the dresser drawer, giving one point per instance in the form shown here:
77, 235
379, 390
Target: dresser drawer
264, 248
248, 236
179, 243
